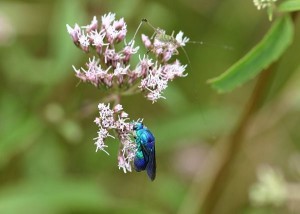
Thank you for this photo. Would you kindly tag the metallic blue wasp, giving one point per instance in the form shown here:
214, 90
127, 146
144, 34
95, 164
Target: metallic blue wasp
145, 155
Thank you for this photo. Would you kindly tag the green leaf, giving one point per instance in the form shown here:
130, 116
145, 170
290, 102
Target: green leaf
260, 57
289, 6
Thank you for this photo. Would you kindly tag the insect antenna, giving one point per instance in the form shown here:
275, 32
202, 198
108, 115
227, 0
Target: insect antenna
144, 20
138, 28
149, 24
226, 47
78, 83
156, 31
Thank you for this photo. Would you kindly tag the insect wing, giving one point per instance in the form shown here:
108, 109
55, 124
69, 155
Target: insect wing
148, 149
151, 166
146, 146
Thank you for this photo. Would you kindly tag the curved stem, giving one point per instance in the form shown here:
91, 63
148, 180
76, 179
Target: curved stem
219, 181
221, 177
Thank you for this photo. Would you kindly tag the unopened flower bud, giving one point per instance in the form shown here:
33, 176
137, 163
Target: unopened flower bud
75, 33
146, 41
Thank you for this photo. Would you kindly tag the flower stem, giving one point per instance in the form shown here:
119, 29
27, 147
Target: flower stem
222, 175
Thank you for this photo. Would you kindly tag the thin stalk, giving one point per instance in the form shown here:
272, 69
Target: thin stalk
219, 181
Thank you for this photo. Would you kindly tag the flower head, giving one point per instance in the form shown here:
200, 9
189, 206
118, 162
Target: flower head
75, 32
93, 26
116, 119
147, 42
97, 40
112, 67
270, 189
269, 4
261, 4
84, 42
180, 40
107, 19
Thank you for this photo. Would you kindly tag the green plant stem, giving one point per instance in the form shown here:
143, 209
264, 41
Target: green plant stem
219, 180
233, 146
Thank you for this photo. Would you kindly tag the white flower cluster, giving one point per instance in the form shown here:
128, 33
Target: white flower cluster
261, 4
270, 189
112, 66
159, 74
111, 31
158, 77
116, 119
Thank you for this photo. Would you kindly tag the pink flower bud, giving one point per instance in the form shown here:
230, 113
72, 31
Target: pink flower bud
75, 33
118, 108
93, 26
119, 24
146, 41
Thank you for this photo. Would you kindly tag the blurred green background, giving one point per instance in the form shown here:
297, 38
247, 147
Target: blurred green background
48, 162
